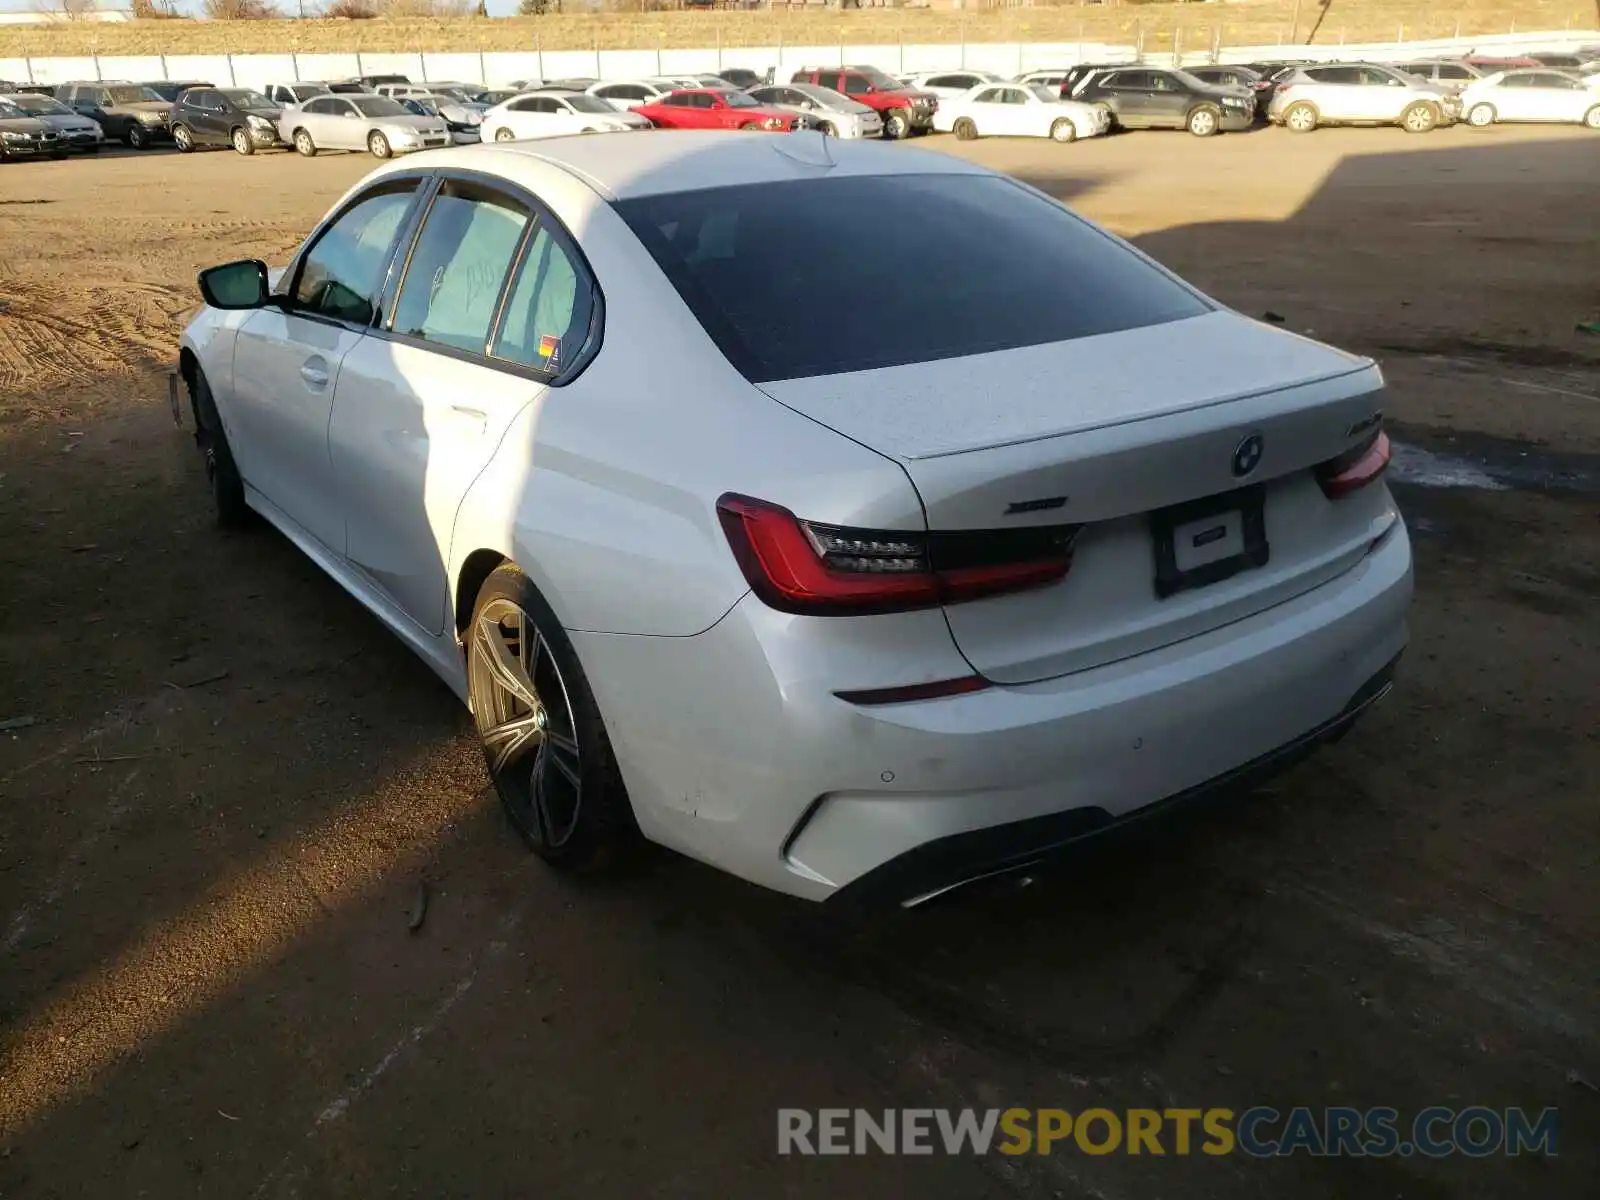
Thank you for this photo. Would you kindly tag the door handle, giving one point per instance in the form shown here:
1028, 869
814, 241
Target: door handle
314, 373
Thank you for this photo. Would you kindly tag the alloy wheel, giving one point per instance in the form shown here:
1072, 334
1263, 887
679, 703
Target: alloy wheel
526, 723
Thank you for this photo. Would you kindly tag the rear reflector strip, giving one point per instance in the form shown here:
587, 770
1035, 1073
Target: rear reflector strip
916, 691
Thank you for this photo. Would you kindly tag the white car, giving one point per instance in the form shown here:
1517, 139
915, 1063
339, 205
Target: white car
949, 84
447, 101
1016, 110
1048, 79
1359, 94
296, 93
625, 94
376, 124
1532, 95
837, 115
553, 114
1034, 540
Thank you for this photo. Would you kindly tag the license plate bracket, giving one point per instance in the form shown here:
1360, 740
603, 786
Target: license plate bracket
1205, 541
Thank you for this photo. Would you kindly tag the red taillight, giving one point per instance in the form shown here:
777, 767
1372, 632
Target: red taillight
1353, 470
825, 570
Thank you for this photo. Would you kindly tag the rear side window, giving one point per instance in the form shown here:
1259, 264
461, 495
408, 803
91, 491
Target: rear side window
549, 311
987, 265
462, 257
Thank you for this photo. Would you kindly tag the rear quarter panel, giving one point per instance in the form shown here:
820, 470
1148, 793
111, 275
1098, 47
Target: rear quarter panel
604, 490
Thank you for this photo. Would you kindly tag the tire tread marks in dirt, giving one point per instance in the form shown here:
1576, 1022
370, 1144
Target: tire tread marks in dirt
43, 349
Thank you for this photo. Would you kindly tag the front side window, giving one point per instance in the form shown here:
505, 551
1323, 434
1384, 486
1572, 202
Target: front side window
341, 275
828, 79
856, 85
459, 265
988, 265
549, 308
988, 96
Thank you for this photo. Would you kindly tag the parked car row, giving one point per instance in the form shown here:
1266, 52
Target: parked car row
390, 114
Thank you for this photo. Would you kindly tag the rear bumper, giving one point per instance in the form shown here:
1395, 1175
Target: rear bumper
935, 868
735, 750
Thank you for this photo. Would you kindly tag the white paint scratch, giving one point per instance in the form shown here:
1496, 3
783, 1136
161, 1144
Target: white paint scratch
21, 923
335, 1109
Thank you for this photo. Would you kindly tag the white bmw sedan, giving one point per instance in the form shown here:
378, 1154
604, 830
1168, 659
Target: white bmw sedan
1018, 110
555, 114
860, 610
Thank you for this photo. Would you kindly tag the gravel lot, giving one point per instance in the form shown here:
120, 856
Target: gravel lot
214, 833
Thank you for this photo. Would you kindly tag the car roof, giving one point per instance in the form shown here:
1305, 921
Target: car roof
656, 162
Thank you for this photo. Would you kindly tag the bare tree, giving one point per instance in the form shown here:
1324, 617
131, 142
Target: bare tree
239, 10
155, 10
352, 10
64, 10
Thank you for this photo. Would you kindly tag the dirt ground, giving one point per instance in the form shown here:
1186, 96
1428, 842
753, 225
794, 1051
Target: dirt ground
235, 786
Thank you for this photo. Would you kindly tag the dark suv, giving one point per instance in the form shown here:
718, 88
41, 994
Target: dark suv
128, 112
237, 117
903, 110
1152, 98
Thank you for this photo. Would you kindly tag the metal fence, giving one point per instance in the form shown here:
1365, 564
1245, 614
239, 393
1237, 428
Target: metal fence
501, 67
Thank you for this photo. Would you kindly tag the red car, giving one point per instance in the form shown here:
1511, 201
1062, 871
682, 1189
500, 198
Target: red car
706, 108
903, 110
1488, 63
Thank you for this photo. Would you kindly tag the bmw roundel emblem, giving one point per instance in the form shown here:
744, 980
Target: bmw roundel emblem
1247, 456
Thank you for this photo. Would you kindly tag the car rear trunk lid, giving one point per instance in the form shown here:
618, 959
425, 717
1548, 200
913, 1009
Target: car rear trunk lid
1122, 434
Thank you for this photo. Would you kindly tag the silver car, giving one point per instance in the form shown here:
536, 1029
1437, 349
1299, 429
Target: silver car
73, 132
376, 124
1359, 94
836, 114
1447, 74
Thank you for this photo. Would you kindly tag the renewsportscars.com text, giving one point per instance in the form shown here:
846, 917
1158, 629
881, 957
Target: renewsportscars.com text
1259, 1132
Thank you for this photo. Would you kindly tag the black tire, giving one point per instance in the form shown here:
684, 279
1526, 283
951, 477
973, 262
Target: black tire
138, 137
965, 129
1591, 119
1063, 130
504, 135
303, 144
603, 828
378, 145
222, 473
826, 129
183, 139
1111, 115
243, 143
896, 127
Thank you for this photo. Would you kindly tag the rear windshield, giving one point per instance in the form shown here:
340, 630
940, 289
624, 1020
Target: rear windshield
826, 276
378, 106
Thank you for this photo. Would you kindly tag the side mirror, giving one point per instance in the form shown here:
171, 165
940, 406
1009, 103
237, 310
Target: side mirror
236, 285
